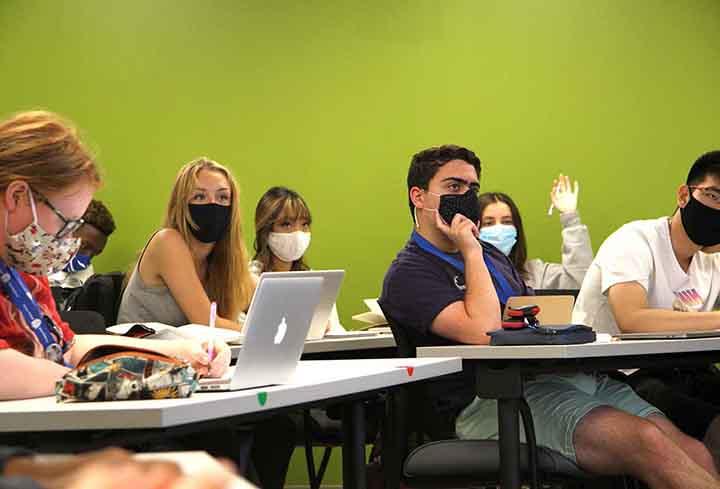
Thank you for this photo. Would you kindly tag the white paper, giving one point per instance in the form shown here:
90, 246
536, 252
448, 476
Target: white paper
187, 331
202, 332
373, 306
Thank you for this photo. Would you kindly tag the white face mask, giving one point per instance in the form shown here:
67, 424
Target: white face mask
289, 247
34, 250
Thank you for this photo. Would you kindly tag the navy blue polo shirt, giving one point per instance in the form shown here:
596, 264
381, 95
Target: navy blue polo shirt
418, 286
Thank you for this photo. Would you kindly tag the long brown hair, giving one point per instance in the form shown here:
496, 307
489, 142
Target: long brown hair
276, 203
45, 151
228, 279
518, 255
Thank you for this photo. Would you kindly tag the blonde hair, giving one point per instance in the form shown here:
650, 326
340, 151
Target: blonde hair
45, 151
276, 203
229, 282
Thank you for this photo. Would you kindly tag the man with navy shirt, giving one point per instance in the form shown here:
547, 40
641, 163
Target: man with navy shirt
446, 287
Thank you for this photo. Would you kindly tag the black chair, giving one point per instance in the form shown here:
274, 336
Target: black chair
319, 430
100, 293
84, 322
451, 462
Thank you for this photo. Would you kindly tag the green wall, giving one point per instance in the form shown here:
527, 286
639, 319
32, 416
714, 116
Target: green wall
332, 99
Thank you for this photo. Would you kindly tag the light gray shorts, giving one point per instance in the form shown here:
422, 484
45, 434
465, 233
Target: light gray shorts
557, 403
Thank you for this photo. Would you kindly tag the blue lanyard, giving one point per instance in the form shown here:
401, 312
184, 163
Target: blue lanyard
504, 292
17, 291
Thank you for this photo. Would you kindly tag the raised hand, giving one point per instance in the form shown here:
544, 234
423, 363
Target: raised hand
563, 195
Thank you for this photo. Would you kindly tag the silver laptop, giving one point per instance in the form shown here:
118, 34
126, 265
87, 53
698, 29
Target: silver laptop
668, 335
275, 330
331, 287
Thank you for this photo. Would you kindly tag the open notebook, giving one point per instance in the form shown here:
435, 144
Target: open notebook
162, 331
373, 316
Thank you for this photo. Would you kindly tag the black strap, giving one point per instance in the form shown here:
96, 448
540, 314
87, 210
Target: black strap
145, 249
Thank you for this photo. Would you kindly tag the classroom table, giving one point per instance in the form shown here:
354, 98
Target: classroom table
381, 345
500, 371
315, 383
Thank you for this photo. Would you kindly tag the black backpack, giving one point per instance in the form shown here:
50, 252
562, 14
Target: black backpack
100, 293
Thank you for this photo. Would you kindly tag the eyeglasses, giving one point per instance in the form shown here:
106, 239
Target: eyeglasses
69, 225
711, 193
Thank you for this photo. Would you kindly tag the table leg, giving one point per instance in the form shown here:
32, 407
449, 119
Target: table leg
509, 440
353, 451
394, 437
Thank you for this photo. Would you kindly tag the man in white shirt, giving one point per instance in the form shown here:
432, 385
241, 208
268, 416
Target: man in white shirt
664, 275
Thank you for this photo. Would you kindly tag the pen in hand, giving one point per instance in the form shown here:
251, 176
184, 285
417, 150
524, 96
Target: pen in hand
211, 323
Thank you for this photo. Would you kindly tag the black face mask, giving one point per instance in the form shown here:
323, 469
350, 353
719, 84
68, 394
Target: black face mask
701, 223
212, 221
466, 204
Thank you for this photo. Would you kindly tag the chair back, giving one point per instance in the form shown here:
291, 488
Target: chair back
84, 322
100, 293
423, 421
405, 348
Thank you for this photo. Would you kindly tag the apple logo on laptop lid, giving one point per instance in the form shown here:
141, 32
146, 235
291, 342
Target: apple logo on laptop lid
281, 330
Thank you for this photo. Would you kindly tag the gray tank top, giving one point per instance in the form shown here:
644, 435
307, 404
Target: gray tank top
143, 304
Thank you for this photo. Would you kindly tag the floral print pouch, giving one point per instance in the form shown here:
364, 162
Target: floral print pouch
119, 373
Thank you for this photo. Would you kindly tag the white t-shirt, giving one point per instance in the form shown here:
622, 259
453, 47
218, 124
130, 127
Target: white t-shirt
641, 251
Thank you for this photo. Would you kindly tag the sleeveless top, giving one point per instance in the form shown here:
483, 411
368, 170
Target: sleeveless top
143, 304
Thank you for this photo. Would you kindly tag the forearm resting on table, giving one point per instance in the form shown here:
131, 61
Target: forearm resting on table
25, 377
648, 319
201, 318
227, 324
629, 305
84, 343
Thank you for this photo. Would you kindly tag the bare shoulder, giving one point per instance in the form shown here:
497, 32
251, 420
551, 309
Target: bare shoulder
166, 249
167, 241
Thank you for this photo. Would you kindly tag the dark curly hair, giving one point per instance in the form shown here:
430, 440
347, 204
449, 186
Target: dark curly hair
99, 216
425, 164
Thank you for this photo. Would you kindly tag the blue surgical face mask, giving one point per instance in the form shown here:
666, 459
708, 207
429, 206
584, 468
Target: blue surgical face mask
501, 236
77, 263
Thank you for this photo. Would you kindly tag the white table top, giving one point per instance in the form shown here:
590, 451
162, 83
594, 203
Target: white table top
314, 381
327, 345
587, 350
380, 340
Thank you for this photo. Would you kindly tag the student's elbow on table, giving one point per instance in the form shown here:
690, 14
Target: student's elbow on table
454, 323
28, 376
469, 334
627, 302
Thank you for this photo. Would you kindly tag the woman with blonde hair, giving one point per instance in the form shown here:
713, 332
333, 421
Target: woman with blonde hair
282, 236
197, 257
47, 180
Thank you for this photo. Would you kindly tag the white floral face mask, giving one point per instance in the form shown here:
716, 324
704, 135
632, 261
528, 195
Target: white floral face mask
34, 250
289, 247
